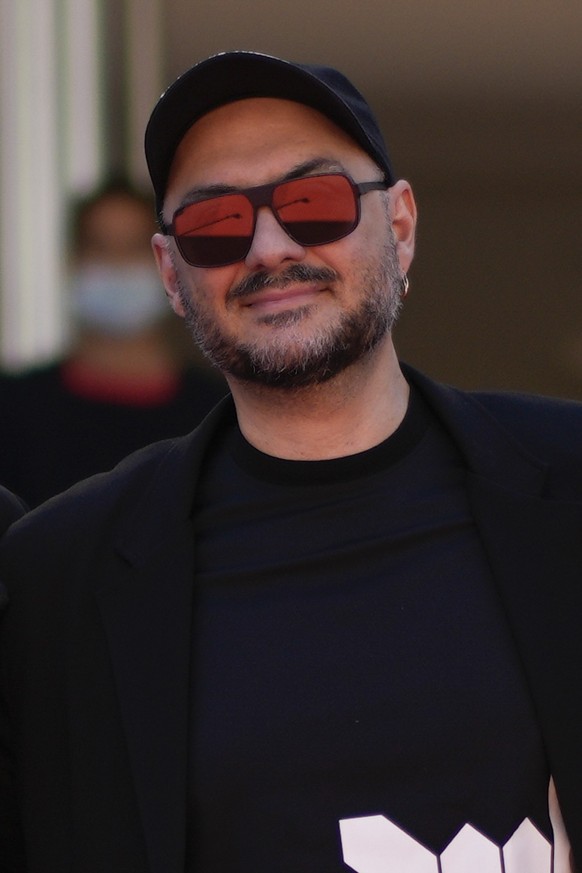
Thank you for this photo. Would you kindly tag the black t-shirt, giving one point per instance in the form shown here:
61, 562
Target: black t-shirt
350, 660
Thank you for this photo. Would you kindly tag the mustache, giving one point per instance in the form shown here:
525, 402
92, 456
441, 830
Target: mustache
291, 275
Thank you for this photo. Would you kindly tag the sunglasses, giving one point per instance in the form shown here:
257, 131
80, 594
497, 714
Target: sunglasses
313, 211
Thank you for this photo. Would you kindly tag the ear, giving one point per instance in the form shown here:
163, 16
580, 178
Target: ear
403, 213
167, 270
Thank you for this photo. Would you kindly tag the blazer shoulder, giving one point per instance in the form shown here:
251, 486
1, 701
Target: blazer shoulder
549, 428
87, 508
154, 485
539, 423
495, 429
545, 424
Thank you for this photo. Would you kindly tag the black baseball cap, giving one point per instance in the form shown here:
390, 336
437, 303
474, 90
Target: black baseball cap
230, 76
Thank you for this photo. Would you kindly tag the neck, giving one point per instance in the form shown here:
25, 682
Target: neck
348, 414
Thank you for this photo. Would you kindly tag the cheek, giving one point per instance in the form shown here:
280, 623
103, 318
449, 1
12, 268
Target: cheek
347, 257
206, 289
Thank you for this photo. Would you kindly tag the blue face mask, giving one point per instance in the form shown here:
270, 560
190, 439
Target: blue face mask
117, 300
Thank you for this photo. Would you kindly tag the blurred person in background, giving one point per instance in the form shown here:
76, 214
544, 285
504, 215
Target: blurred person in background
125, 382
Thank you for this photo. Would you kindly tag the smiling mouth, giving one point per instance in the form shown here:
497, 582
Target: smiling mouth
275, 300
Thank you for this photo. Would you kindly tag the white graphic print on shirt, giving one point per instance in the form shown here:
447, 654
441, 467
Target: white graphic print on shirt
374, 844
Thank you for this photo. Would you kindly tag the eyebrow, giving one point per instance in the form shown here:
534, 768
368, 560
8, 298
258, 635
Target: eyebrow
306, 168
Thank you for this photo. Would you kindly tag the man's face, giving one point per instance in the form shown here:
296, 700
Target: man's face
287, 315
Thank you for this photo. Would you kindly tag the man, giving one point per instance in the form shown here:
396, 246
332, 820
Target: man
122, 384
337, 627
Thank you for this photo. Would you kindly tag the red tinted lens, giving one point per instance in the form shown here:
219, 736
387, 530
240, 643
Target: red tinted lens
215, 231
317, 209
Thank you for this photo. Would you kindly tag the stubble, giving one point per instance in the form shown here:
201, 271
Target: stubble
292, 358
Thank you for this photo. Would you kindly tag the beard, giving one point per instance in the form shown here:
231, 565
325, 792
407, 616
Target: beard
297, 360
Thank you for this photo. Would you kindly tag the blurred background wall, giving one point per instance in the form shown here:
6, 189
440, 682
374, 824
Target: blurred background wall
480, 104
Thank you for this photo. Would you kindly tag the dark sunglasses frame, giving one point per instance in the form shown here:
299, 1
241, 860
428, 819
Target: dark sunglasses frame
262, 195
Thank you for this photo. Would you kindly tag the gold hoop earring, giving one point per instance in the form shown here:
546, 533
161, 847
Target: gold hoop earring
405, 286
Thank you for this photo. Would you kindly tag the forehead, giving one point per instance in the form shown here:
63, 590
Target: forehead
256, 140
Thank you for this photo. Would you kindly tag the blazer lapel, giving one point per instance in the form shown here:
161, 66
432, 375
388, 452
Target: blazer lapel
535, 550
146, 608
534, 546
147, 620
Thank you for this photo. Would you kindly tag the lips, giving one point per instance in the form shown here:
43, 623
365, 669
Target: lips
274, 299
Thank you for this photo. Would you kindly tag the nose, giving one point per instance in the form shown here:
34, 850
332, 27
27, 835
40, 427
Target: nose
271, 245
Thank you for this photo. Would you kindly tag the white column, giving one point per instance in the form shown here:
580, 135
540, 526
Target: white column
29, 183
49, 147
145, 45
83, 93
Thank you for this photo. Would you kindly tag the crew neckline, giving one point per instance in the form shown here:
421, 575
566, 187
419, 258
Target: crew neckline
299, 472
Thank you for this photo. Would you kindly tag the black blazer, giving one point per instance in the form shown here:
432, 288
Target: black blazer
96, 640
